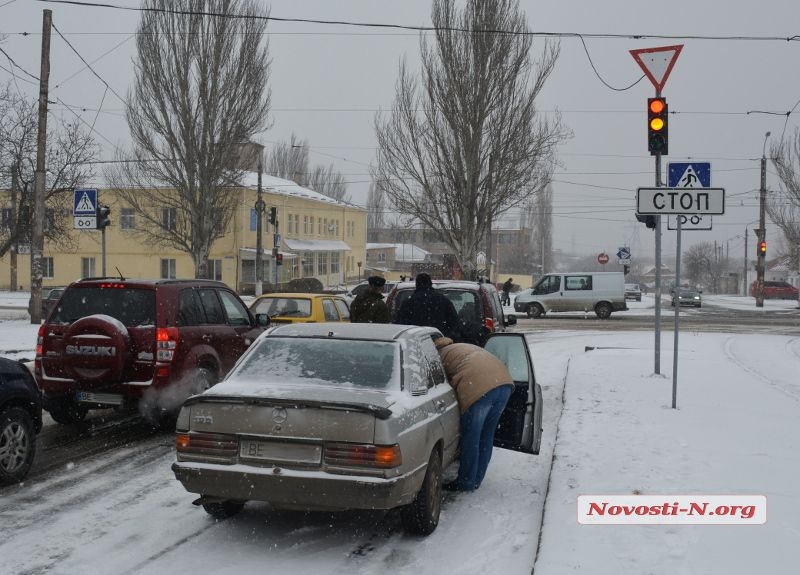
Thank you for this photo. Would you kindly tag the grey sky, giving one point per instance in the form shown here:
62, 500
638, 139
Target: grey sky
328, 82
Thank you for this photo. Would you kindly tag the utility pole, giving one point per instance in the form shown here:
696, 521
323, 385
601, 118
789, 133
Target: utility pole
762, 230
260, 208
14, 225
37, 235
744, 271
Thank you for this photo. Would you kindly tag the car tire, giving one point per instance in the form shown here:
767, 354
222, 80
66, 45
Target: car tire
66, 411
603, 310
204, 379
17, 445
421, 516
534, 310
223, 509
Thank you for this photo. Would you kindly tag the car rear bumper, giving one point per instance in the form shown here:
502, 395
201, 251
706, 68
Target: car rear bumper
298, 489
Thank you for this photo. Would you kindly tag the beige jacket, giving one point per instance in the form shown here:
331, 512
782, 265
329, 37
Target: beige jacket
471, 370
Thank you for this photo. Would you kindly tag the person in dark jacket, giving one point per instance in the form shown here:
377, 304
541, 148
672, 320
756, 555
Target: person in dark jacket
368, 306
428, 307
507, 286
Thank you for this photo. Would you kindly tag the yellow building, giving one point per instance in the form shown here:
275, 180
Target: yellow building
319, 237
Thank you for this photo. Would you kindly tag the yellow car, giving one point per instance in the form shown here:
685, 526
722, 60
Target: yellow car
301, 307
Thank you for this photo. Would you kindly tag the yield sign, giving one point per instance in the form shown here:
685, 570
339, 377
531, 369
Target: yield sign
657, 63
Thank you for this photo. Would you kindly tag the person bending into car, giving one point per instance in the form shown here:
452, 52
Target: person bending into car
430, 308
369, 307
483, 385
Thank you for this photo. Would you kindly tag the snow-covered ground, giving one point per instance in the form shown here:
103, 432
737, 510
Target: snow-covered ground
609, 430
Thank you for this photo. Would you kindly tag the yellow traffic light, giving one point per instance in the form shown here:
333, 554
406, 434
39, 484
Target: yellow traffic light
657, 126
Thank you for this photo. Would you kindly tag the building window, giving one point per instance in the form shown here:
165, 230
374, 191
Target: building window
305, 225
214, 270
297, 224
127, 219
382, 257
169, 218
308, 264
48, 269
219, 225
335, 263
168, 269
49, 220
322, 263
326, 230
319, 226
5, 220
289, 225
88, 268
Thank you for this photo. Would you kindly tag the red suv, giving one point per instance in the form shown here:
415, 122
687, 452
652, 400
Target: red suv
116, 342
775, 290
477, 304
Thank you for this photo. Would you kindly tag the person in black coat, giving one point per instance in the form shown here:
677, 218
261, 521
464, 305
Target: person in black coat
369, 307
428, 307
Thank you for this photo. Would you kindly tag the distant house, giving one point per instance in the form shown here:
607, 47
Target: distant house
393, 259
648, 277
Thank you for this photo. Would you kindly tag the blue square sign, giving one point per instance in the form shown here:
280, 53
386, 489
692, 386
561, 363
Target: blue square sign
689, 175
85, 203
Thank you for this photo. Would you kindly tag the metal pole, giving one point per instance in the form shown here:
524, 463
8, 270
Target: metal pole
37, 234
103, 248
259, 233
762, 232
744, 274
15, 224
676, 298
657, 368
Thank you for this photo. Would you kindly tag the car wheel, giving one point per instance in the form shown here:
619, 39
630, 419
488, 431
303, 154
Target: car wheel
603, 310
223, 509
421, 516
17, 445
204, 379
535, 310
66, 411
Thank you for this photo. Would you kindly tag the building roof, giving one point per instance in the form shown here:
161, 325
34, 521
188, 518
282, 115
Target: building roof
282, 187
402, 252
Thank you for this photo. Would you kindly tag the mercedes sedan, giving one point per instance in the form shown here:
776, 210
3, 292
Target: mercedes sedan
341, 416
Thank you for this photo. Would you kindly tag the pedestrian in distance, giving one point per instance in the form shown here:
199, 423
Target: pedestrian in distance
428, 307
507, 286
483, 385
368, 306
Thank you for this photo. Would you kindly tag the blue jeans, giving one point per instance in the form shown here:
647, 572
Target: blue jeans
478, 425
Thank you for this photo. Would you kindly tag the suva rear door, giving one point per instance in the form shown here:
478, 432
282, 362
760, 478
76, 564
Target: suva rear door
520, 427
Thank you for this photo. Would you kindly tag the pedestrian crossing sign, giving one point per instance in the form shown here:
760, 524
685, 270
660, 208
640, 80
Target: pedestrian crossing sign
85, 203
689, 175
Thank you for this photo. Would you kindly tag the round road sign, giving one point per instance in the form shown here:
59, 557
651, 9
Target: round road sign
602, 258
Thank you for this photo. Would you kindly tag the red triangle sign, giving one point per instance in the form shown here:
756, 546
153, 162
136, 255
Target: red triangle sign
657, 63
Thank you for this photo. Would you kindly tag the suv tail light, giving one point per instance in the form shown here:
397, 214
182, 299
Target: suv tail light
363, 455
166, 343
489, 323
39, 342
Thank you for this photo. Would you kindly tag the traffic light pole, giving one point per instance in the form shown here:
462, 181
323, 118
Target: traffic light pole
762, 232
657, 343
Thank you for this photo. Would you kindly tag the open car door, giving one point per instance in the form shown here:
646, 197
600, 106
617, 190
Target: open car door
520, 427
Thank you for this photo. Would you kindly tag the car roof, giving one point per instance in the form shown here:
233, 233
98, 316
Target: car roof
354, 331
87, 282
297, 295
459, 284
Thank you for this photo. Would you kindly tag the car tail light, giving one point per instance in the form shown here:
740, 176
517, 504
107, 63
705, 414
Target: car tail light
166, 343
218, 445
39, 341
489, 323
363, 455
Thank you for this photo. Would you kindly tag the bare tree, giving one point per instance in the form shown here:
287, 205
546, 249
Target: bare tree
464, 142
290, 161
200, 88
703, 266
376, 204
70, 151
784, 207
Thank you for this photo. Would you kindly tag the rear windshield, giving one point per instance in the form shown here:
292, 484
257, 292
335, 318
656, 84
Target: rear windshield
283, 307
334, 362
467, 303
133, 307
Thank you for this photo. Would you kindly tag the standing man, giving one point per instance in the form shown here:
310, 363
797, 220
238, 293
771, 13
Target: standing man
483, 385
428, 307
507, 291
368, 306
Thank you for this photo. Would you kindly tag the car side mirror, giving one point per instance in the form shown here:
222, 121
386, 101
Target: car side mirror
262, 319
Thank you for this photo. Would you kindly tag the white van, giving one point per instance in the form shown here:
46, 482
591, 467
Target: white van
601, 292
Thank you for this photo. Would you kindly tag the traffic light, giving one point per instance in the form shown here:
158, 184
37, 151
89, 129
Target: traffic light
273, 215
762, 248
657, 113
279, 260
103, 219
649, 221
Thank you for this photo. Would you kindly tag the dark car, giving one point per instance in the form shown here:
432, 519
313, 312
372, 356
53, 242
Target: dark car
116, 342
775, 290
50, 297
20, 420
477, 305
687, 297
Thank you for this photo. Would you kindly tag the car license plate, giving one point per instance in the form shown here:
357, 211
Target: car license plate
100, 398
280, 451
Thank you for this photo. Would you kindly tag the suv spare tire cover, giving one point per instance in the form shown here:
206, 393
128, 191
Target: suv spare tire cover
95, 348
